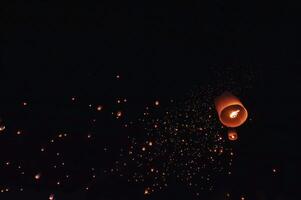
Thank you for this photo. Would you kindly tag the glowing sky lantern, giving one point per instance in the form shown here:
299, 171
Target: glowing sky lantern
231, 112
51, 197
2, 126
37, 176
232, 134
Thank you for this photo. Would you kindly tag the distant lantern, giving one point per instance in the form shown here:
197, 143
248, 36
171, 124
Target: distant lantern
231, 112
118, 114
232, 135
146, 191
99, 108
37, 176
2, 126
51, 197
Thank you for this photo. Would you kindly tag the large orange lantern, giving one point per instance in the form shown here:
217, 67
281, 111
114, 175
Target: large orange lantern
231, 112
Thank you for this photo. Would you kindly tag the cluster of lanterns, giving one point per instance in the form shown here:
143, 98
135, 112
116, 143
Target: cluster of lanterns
231, 113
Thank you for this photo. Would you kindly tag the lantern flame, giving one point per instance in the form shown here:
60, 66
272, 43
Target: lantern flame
234, 114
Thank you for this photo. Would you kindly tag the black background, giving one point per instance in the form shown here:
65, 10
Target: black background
51, 52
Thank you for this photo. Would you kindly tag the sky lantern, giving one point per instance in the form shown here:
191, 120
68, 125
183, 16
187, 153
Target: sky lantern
2, 126
231, 112
232, 134
51, 197
37, 176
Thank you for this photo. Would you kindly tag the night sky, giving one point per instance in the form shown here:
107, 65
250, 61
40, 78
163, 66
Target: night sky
79, 81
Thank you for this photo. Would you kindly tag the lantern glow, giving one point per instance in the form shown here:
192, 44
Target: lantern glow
2, 128
234, 114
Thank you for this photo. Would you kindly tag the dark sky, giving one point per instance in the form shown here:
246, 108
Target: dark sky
51, 52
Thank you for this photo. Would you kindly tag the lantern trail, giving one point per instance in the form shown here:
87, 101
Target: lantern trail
231, 112
184, 144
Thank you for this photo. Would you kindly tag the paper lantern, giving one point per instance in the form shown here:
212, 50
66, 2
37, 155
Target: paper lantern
2, 126
232, 134
231, 111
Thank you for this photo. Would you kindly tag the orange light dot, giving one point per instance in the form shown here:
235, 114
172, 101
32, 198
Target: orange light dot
37, 176
51, 197
157, 103
146, 191
118, 114
99, 108
2, 128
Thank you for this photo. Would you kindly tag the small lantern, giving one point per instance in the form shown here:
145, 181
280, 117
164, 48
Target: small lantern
2, 126
232, 135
